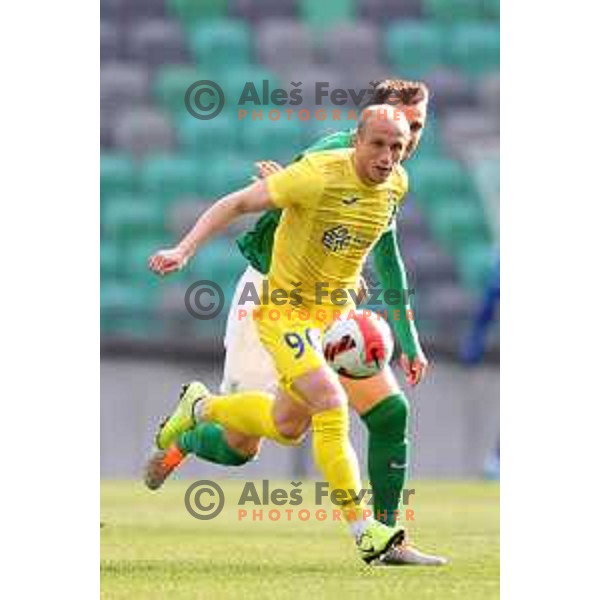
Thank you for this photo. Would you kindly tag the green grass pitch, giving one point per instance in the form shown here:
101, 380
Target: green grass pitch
151, 548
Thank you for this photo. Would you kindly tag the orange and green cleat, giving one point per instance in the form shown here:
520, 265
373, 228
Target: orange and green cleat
161, 464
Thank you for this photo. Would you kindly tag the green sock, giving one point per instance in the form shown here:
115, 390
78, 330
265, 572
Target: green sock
207, 441
388, 454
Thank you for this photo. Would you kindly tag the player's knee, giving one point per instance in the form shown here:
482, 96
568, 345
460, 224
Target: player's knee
291, 430
321, 391
389, 417
244, 445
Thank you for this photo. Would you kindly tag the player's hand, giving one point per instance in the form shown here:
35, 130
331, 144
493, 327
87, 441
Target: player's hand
267, 167
167, 261
414, 370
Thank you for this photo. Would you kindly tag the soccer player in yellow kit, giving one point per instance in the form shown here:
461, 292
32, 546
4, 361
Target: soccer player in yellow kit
336, 206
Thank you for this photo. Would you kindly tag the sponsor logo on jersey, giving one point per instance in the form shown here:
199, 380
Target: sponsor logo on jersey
337, 238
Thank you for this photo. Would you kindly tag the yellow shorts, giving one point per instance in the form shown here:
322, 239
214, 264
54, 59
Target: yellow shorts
293, 338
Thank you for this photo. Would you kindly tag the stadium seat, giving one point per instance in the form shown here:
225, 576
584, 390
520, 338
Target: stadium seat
110, 9
227, 173
414, 48
126, 308
475, 47
491, 9
189, 12
475, 263
143, 131
410, 220
427, 263
170, 177
488, 92
123, 85
110, 259
182, 214
233, 81
310, 76
451, 88
282, 43
436, 178
448, 304
157, 42
202, 137
221, 44
171, 84
456, 224
130, 216
121, 298
451, 11
116, 175
348, 45
430, 145
110, 46
385, 10
127, 11
251, 10
461, 129
322, 15
277, 140
360, 76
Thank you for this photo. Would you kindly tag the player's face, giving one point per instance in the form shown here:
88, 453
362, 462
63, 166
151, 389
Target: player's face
415, 114
379, 148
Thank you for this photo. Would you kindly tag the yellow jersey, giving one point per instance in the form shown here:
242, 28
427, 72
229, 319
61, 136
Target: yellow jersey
330, 222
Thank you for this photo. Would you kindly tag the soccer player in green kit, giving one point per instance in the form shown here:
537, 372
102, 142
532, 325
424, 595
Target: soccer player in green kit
378, 400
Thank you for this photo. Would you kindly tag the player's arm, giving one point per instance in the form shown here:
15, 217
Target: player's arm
298, 184
251, 199
392, 273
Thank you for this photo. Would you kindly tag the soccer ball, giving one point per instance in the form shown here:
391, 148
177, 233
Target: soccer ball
359, 345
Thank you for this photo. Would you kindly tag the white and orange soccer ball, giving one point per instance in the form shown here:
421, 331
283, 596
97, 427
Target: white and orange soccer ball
358, 346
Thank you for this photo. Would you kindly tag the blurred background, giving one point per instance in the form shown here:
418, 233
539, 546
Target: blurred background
160, 167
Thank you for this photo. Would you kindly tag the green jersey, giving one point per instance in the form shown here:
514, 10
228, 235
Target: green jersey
257, 244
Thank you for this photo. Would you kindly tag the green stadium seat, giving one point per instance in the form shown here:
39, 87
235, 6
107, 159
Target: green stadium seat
234, 81
451, 11
221, 44
110, 259
171, 84
319, 14
458, 224
270, 139
475, 262
202, 137
117, 175
227, 173
219, 261
474, 47
415, 48
125, 308
170, 177
491, 9
125, 218
191, 11
431, 178
430, 145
